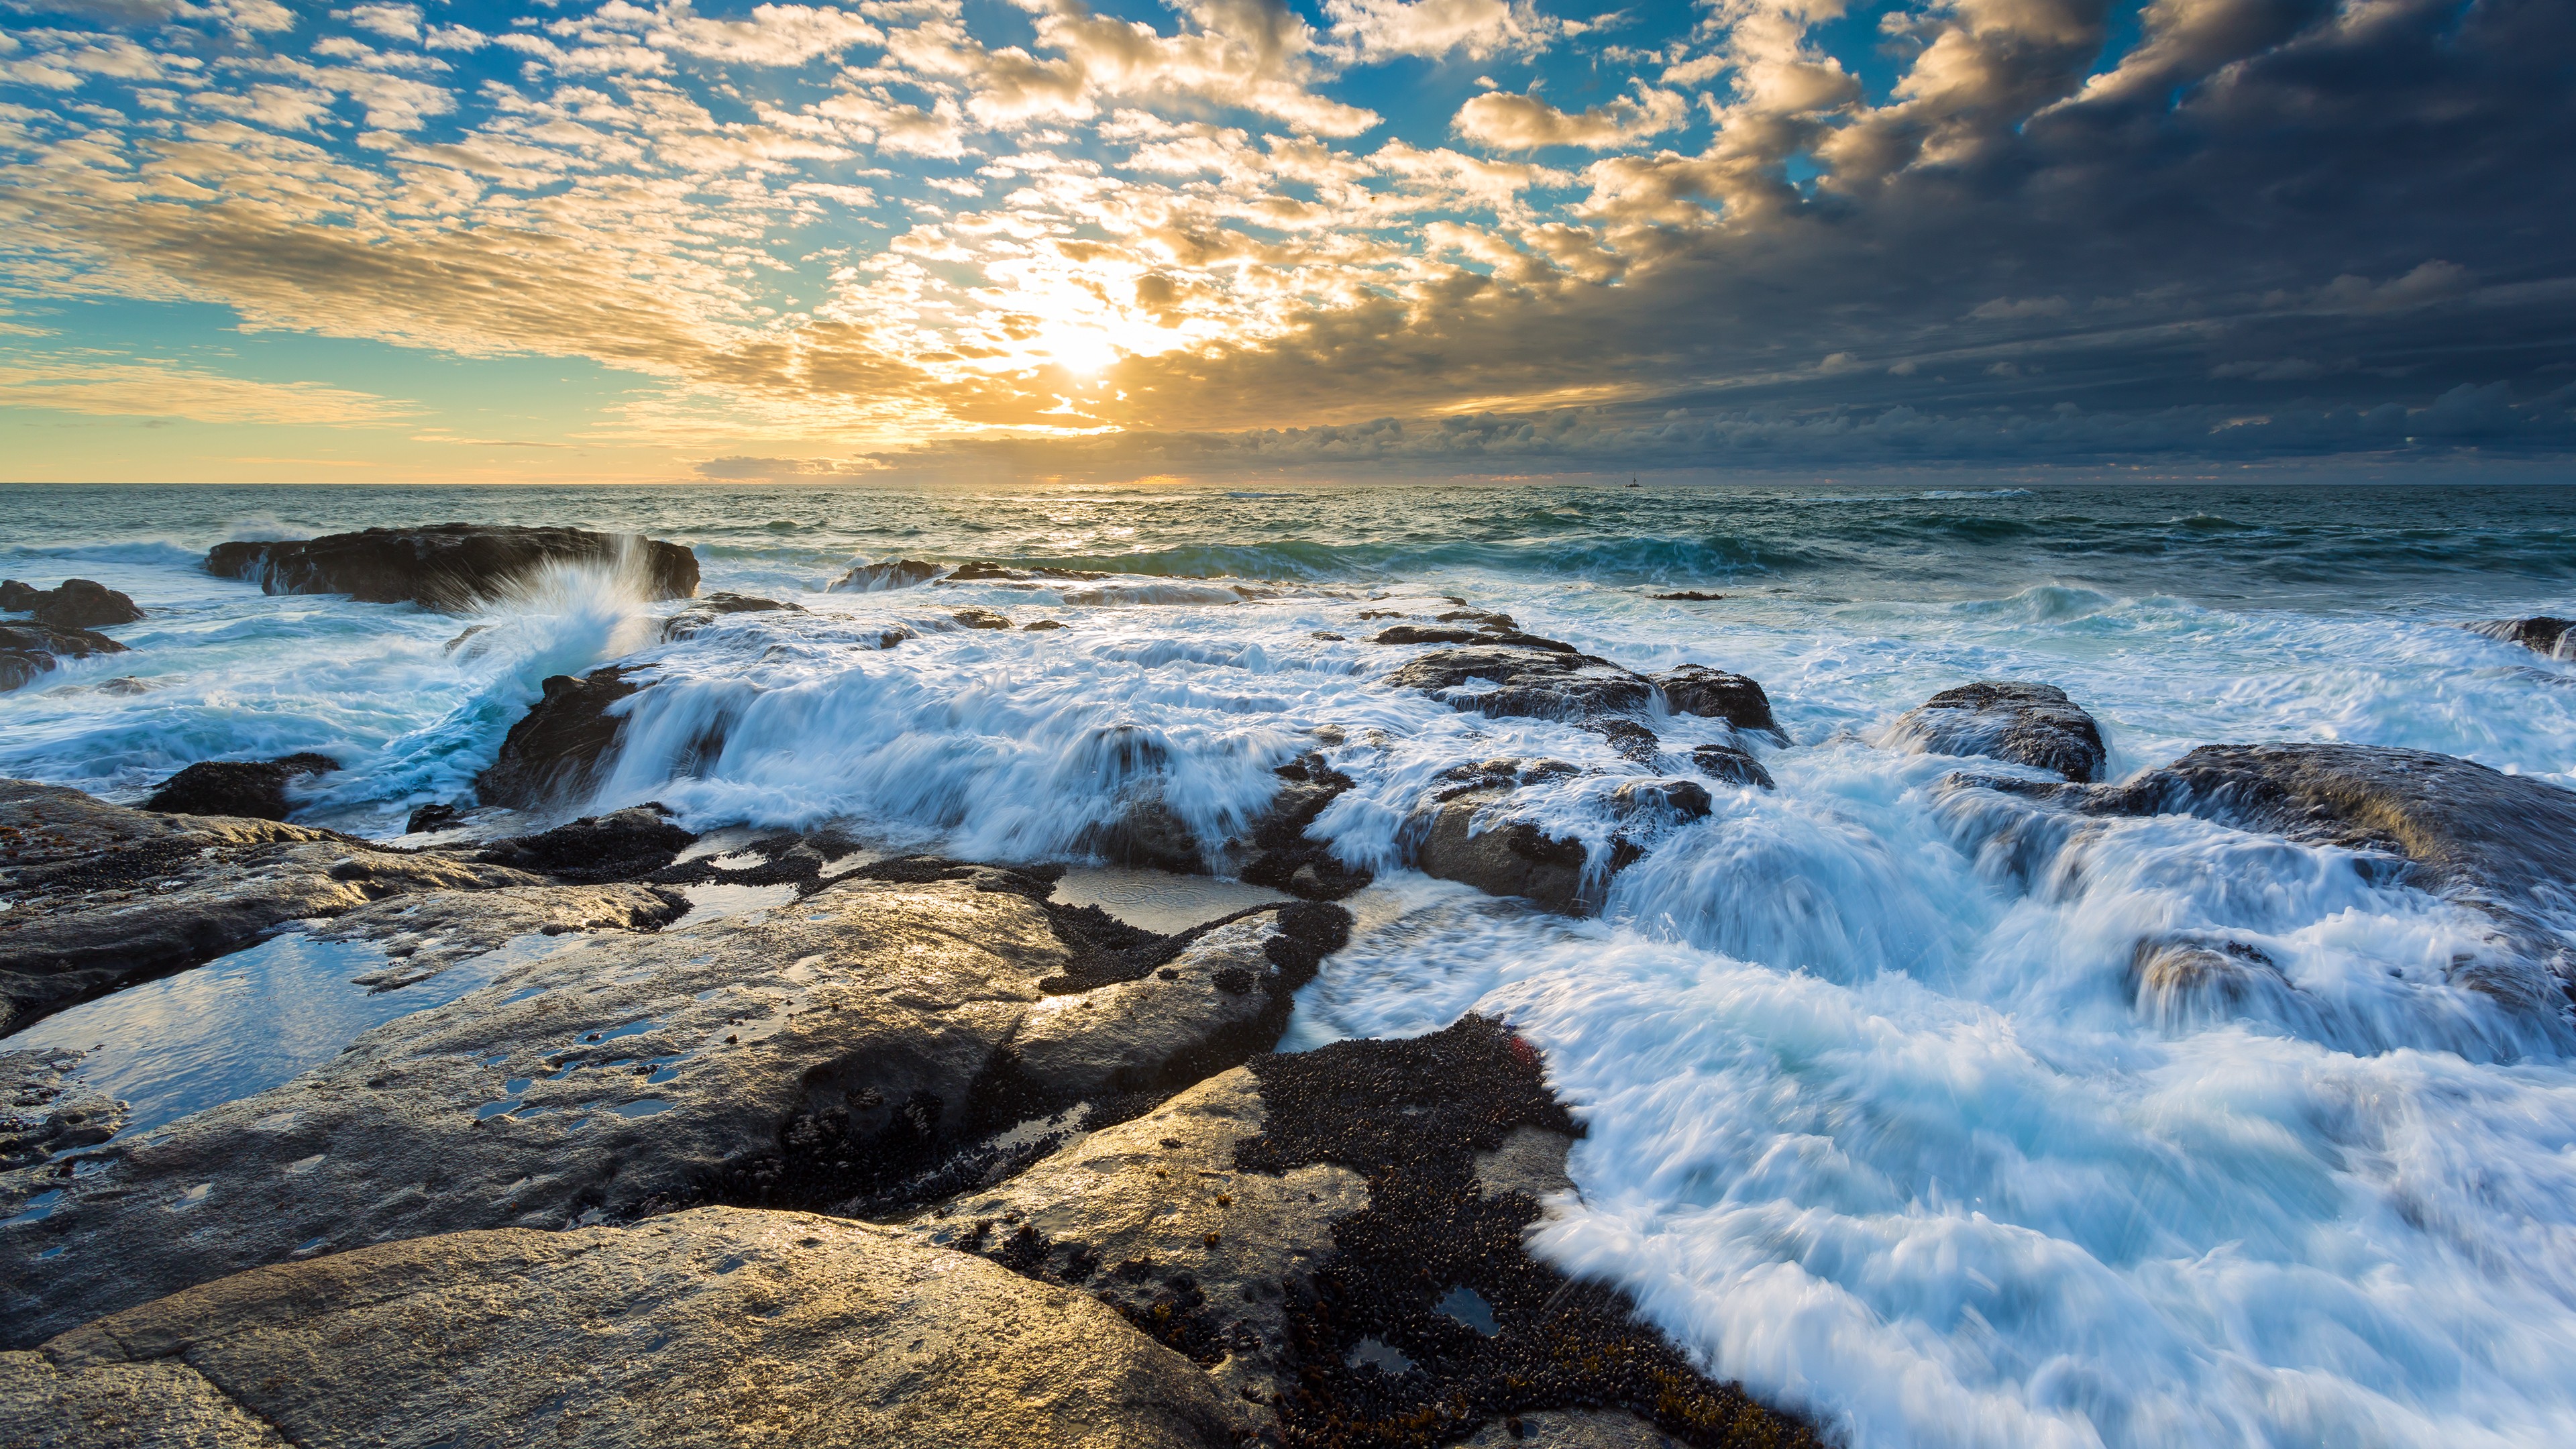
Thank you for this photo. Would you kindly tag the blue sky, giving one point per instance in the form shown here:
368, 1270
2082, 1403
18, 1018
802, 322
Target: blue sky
241, 239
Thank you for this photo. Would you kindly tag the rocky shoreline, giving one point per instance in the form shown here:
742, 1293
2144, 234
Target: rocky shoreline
915, 1152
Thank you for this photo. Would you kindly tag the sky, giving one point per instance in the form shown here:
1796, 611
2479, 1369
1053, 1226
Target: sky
243, 240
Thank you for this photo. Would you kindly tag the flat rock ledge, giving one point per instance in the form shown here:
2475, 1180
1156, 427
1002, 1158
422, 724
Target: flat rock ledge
719, 1327
2026, 724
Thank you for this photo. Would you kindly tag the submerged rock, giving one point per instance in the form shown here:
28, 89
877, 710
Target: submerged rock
72, 604
424, 933
447, 566
44, 1109
895, 573
251, 789
1336, 1237
30, 649
704, 613
2540, 634
555, 749
705, 1328
1732, 765
2027, 724
798, 1056
982, 618
1279, 853
100, 895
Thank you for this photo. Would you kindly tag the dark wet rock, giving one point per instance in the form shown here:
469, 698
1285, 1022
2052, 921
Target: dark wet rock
1036, 625
100, 895
1696, 689
1481, 618
72, 604
44, 1109
554, 751
1297, 1222
1688, 596
984, 571
1550, 682
897, 573
779, 1058
1279, 853
700, 1330
447, 566
982, 618
1149, 833
2186, 981
2027, 724
125, 685
1632, 740
1502, 771
1502, 856
30, 649
706, 612
2540, 634
1327, 636
621, 845
251, 789
1504, 638
1649, 802
432, 817
1732, 765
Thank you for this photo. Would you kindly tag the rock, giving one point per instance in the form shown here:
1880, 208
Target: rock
30, 649
793, 1057
250, 789
1327, 636
448, 566
1632, 740
73, 604
1660, 801
1546, 682
2540, 633
47, 1110
2028, 724
1570, 1429
1501, 856
703, 614
1696, 689
1148, 833
1732, 765
100, 895
1277, 850
621, 845
2181, 982
1037, 625
708, 1328
1688, 596
424, 933
432, 817
1294, 1224
898, 573
555, 749
982, 619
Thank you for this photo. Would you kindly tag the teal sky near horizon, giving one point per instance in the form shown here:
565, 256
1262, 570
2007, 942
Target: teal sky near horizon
249, 241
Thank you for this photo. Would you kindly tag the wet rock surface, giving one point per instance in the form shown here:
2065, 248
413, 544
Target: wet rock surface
1469, 840
1731, 765
982, 619
824, 1049
1335, 1236
424, 934
899, 573
100, 895
2027, 724
552, 753
1544, 679
251, 789
620, 845
1696, 689
29, 649
448, 566
714, 1327
2540, 633
72, 604
1279, 853
44, 1109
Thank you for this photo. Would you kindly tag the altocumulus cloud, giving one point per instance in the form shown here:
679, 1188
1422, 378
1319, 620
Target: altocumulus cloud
1355, 234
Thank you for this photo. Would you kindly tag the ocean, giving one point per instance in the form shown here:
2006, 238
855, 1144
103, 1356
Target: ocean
1877, 1119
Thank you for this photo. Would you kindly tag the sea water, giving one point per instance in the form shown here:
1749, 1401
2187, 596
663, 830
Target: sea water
1877, 1119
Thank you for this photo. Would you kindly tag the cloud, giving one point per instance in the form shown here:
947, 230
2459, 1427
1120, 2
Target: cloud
1525, 123
1475, 29
169, 390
